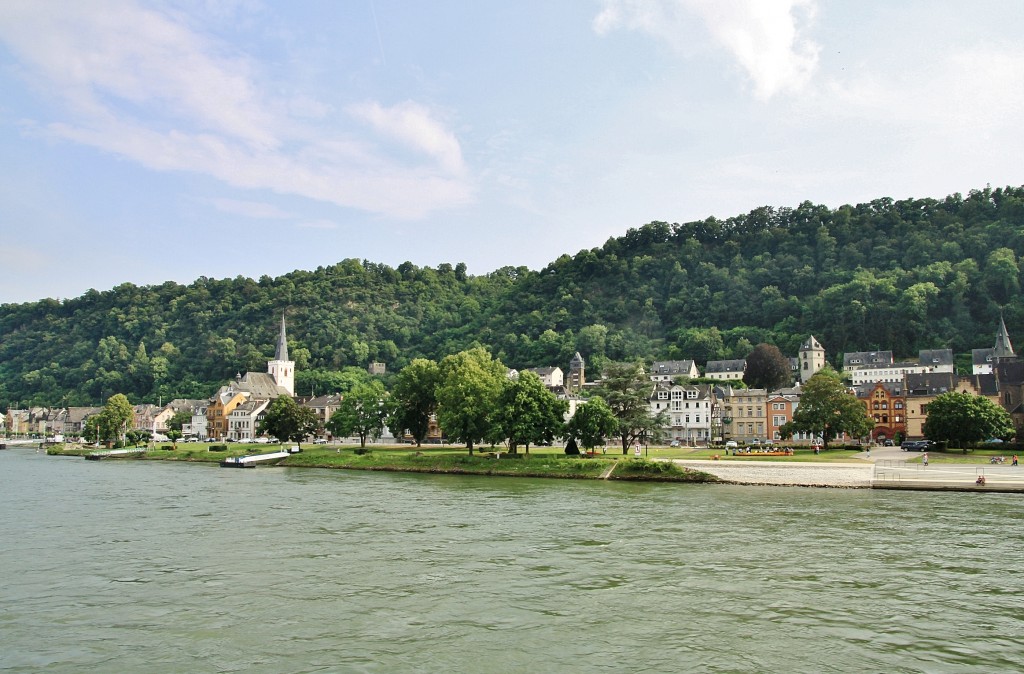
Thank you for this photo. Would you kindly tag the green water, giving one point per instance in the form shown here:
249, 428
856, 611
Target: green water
153, 567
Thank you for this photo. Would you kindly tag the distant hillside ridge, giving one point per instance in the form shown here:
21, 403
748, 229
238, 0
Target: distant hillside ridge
895, 275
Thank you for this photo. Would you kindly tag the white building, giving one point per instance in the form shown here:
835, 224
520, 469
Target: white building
666, 370
688, 411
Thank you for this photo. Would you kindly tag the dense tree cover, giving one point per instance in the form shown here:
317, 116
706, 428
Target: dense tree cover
286, 420
959, 417
626, 389
414, 399
469, 383
528, 413
900, 275
362, 412
827, 410
112, 424
592, 423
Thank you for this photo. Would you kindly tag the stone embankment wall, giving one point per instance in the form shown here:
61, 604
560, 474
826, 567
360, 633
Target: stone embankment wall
794, 474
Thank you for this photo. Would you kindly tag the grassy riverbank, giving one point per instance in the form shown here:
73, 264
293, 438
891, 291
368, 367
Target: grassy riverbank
543, 462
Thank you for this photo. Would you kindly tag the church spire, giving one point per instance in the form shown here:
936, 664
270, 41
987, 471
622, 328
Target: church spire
282, 344
1003, 348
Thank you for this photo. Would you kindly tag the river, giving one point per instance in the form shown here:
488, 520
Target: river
132, 566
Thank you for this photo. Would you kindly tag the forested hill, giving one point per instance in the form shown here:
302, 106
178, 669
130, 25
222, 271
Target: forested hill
898, 275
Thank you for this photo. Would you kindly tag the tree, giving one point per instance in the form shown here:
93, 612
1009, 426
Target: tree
469, 383
414, 398
178, 421
626, 389
827, 409
285, 419
592, 423
119, 415
362, 412
529, 413
959, 417
767, 368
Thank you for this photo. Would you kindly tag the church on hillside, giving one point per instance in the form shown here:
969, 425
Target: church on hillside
236, 409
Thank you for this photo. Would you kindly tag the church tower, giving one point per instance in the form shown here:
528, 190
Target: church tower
577, 373
282, 369
811, 359
1003, 349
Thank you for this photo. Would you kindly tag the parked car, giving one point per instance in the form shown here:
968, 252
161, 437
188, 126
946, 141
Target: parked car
916, 445
731, 444
320, 441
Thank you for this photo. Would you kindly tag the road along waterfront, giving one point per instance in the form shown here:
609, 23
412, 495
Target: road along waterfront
173, 567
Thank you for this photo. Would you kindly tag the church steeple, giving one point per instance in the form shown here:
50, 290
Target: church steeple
282, 369
282, 344
1003, 348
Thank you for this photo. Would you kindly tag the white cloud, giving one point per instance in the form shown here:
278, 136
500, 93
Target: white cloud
143, 85
765, 37
414, 125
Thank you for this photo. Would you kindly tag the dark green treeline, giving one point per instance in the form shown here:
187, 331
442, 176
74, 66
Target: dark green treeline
900, 275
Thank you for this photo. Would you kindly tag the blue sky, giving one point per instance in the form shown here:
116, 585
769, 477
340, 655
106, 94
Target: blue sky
154, 141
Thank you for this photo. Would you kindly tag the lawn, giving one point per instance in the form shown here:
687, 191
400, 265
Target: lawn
540, 462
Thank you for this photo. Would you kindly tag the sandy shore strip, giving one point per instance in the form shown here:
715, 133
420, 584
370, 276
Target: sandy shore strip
790, 474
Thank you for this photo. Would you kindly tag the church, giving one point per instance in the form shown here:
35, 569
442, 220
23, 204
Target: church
235, 410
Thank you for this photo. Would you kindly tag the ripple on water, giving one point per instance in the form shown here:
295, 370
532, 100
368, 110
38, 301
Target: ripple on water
284, 570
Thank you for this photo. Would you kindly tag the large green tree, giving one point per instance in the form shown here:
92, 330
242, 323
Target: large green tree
959, 417
627, 389
828, 410
119, 415
414, 398
528, 413
592, 423
767, 368
469, 383
285, 419
362, 412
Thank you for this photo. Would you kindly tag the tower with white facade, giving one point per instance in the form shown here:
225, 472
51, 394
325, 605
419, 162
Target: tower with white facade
282, 369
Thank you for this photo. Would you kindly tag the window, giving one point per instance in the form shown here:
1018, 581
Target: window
692, 395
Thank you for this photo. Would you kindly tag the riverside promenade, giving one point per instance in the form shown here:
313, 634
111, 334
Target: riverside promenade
881, 468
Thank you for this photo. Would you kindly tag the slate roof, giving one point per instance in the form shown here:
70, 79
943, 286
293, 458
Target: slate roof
856, 359
738, 365
672, 367
930, 383
933, 357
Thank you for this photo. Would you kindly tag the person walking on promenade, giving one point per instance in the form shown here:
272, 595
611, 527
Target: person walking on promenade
924, 459
1014, 460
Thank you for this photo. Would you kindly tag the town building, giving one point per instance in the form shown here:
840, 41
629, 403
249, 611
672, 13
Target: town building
811, 358
725, 370
885, 404
922, 389
668, 370
743, 414
687, 409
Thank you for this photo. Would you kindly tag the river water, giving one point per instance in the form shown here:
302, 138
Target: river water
130, 566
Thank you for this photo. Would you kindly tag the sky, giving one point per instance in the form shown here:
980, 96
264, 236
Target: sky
146, 142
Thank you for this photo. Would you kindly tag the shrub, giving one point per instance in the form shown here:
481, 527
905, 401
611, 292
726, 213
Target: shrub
218, 448
362, 450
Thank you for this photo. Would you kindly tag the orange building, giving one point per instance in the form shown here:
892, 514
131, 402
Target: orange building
886, 406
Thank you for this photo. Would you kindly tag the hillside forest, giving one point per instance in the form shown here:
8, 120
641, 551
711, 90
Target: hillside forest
895, 275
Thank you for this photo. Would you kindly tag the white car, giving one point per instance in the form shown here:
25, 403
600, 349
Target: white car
731, 444
320, 441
